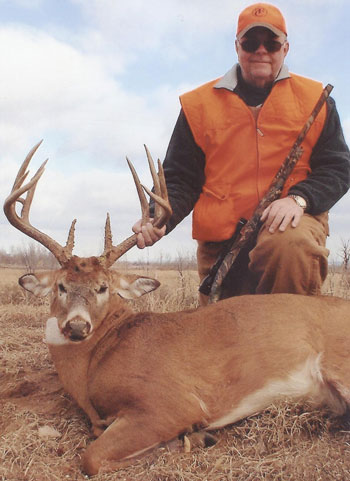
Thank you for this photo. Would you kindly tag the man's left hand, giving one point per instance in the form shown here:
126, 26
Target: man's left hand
280, 213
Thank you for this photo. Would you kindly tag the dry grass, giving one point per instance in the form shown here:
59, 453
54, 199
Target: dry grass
43, 433
337, 283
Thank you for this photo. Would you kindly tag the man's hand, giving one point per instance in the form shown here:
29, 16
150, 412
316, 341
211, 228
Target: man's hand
280, 213
147, 235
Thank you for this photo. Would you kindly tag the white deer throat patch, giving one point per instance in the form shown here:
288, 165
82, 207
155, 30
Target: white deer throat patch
53, 335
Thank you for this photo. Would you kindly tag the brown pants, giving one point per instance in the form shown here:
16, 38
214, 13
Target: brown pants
293, 261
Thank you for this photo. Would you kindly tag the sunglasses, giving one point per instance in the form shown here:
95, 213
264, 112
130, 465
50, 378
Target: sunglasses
252, 44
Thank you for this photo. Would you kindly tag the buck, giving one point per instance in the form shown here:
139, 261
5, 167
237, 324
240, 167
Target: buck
143, 379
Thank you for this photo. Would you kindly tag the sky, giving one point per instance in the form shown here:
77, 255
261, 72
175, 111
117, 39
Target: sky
98, 79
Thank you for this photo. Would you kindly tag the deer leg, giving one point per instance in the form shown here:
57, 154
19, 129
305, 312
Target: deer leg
338, 395
98, 427
125, 439
336, 385
198, 439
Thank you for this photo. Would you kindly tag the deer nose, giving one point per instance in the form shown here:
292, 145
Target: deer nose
77, 329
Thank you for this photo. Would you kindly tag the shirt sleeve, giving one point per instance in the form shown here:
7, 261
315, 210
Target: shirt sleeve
184, 171
329, 179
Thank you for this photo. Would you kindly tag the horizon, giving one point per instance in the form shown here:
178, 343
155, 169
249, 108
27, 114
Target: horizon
97, 80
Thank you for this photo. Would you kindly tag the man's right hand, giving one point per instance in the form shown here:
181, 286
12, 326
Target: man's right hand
147, 235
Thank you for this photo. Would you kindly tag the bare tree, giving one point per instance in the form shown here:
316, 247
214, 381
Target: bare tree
345, 252
31, 256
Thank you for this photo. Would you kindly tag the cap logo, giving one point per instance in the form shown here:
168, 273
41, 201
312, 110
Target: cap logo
260, 12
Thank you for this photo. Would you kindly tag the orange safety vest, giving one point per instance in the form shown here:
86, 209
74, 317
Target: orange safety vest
243, 153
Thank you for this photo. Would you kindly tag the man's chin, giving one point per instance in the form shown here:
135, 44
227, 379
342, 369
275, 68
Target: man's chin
261, 79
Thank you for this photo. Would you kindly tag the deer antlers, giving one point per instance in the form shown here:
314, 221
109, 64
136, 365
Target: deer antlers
21, 222
63, 254
162, 211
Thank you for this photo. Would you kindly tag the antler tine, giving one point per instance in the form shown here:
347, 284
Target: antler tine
68, 249
27, 202
156, 184
18, 190
153, 171
112, 253
21, 222
108, 244
22, 174
162, 183
108, 235
141, 194
164, 209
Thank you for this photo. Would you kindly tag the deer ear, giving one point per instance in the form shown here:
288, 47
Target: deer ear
136, 288
39, 285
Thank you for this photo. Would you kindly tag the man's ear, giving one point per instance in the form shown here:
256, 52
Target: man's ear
38, 284
133, 287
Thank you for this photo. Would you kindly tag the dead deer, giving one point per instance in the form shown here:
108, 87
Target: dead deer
143, 379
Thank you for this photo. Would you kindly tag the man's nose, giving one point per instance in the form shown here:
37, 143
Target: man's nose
261, 49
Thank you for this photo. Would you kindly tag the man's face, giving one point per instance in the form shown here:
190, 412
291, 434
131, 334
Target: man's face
261, 67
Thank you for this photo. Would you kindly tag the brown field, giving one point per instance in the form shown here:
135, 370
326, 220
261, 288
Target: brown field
43, 433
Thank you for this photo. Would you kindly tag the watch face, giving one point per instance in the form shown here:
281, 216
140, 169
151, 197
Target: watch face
300, 201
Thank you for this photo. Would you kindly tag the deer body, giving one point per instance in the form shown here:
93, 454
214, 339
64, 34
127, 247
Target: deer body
145, 378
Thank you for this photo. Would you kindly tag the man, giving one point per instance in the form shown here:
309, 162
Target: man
230, 139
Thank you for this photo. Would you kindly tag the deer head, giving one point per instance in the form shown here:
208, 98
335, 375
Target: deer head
84, 287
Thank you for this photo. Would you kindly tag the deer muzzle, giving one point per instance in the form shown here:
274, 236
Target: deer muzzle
77, 329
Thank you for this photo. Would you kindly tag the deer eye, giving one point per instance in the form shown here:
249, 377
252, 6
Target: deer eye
61, 288
102, 289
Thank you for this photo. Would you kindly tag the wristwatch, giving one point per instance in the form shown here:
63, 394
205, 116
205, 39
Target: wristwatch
300, 201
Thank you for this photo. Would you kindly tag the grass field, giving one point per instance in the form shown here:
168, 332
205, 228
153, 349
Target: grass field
43, 433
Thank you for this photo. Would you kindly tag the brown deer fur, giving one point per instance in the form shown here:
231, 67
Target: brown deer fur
145, 378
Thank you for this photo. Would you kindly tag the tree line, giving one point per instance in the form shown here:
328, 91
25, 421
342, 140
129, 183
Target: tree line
34, 256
